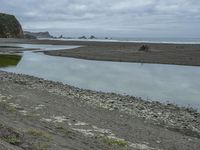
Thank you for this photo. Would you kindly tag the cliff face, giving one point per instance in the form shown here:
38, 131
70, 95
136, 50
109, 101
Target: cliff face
38, 34
10, 27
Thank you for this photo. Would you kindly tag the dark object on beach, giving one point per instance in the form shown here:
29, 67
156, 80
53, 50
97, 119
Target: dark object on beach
83, 37
92, 37
144, 48
10, 27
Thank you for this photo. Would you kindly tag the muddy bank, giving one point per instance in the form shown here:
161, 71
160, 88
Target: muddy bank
65, 117
180, 54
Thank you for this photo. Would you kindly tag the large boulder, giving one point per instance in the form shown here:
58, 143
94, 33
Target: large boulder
10, 27
92, 37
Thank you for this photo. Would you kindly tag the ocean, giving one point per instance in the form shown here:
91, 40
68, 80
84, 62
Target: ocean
139, 39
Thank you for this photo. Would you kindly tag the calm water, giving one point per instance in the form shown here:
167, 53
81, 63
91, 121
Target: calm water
173, 83
38, 46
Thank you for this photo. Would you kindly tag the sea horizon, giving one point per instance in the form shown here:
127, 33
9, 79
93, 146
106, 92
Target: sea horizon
170, 40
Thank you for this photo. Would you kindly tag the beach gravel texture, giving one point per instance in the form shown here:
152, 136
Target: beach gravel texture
39, 114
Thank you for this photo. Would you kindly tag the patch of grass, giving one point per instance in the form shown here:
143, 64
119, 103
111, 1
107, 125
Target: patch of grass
112, 142
22, 139
31, 115
41, 146
38, 133
11, 109
9, 60
10, 47
9, 135
63, 129
12, 139
7, 107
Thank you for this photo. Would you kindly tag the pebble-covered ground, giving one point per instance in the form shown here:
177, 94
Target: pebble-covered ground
39, 114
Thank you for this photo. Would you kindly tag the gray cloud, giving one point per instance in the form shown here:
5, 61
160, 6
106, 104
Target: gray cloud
108, 17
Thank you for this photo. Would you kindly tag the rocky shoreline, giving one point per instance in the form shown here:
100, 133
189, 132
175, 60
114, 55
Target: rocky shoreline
185, 121
84, 118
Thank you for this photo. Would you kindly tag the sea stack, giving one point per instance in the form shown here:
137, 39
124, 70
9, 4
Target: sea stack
10, 27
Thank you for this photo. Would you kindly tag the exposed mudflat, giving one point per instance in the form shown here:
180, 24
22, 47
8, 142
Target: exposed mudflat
38, 114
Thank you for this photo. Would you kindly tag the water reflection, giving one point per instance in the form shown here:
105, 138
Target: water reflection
9, 60
176, 84
36, 46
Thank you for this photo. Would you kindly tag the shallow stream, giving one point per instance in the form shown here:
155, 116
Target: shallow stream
172, 83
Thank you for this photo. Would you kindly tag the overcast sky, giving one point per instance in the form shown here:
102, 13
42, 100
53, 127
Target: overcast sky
126, 18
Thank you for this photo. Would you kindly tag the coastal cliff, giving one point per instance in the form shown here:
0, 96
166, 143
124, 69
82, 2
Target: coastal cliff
37, 34
10, 27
